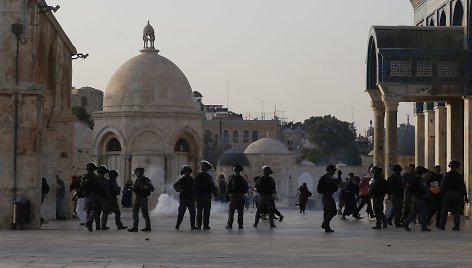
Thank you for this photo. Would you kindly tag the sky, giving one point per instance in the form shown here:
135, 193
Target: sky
301, 58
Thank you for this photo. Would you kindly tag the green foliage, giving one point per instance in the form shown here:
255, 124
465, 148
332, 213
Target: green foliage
333, 141
82, 115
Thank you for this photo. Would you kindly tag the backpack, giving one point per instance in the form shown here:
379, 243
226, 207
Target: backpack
321, 187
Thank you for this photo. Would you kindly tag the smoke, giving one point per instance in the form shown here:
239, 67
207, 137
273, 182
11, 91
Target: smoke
166, 206
156, 175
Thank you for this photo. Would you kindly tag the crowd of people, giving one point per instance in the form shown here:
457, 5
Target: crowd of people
418, 195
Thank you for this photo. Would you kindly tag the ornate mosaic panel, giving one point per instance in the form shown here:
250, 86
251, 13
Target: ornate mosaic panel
448, 69
400, 68
424, 69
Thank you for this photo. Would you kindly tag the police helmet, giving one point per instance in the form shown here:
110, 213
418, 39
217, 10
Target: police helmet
376, 170
267, 169
91, 166
397, 168
454, 164
102, 169
237, 167
185, 168
113, 173
207, 164
331, 167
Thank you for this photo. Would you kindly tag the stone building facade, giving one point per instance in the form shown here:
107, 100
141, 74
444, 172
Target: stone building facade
88, 97
36, 125
430, 66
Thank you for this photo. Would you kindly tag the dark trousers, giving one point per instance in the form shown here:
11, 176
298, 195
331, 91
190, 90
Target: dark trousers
365, 200
105, 209
396, 211
115, 208
183, 206
418, 206
329, 210
141, 203
266, 203
435, 207
378, 204
92, 206
342, 202
236, 203
203, 209
451, 201
406, 205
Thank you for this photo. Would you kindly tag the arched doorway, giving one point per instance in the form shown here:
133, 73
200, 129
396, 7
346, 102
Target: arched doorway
458, 15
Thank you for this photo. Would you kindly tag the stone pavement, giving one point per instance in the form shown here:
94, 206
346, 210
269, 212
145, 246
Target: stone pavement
297, 241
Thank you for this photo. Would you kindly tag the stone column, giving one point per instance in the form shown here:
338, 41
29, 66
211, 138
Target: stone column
455, 131
391, 109
419, 135
440, 137
379, 134
467, 144
429, 119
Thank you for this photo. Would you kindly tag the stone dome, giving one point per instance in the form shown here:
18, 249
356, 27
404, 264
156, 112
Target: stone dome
267, 146
406, 140
149, 82
233, 156
306, 163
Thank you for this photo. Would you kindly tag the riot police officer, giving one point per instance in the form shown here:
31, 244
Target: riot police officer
266, 188
89, 186
327, 186
103, 195
236, 188
377, 191
395, 185
454, 195
204, 187
115, 192
142, 188
185, 187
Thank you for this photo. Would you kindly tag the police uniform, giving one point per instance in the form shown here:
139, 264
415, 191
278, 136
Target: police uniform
115, 191
454, 191
89, 186
236, 188
378, 190
185, 186
327, 186
204, 188
142, 188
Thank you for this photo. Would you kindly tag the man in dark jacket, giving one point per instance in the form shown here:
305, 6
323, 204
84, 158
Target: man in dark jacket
328, 185
92, 204
204, 188
266, 188
115, 192
185, 186
454, 195
236, 188
104, 195
377, 191
395, 185
435, 179
419, 192
142, 188
407, 176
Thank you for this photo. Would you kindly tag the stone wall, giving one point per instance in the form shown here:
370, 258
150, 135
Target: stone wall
35, 92
89, 98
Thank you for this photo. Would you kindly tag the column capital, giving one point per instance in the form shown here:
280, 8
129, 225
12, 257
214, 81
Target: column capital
391, 103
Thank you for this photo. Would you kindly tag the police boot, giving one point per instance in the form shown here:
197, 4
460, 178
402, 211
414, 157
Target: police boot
229, 226
455, 228
134, 229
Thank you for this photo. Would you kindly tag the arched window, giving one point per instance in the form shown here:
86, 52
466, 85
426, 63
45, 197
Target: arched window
431, 22
226, 137
458, 16
83, 101
372, 65
255, 136
235, 136
181, 146
442, 19
113, 145
246, 136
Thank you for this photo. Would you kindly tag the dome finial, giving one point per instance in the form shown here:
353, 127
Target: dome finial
148, 36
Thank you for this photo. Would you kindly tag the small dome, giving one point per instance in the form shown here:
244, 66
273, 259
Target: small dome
306, 163
406, 139
267, 146
149, 82
233, 156
148, 28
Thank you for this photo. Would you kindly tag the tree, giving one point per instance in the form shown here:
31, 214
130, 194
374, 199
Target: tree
82, 115
332, 141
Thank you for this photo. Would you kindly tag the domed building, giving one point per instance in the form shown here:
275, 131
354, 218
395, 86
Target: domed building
149, 119
405, 145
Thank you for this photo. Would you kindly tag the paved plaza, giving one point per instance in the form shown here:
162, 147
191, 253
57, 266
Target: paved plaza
298, 241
